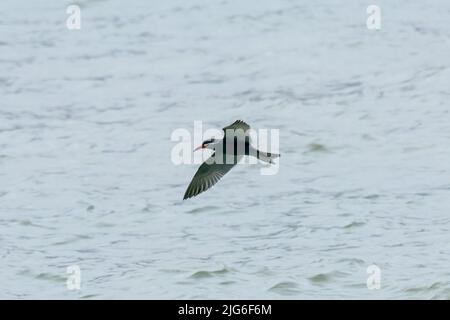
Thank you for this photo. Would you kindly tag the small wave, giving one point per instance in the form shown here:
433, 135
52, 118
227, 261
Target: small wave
43, 276
204, 209
372, 196
433, 287
104, 225
352, 261
202, 274
285, 288
89, 296
354, 224
51, 277
321, 278
317, 147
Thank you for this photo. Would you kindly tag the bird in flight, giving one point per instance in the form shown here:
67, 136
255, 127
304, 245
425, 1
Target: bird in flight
228, 151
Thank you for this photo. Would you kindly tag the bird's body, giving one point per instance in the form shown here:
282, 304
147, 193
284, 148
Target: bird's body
227, 153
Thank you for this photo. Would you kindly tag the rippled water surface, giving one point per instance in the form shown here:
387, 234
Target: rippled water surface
86, 176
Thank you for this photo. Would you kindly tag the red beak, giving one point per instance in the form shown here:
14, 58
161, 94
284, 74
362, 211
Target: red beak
198, 148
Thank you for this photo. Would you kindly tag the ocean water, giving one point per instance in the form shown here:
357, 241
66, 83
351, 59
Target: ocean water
86, 177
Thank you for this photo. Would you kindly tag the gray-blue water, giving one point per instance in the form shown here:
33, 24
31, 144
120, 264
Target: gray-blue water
86, 176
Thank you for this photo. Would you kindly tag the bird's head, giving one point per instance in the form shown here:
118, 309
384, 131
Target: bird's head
207, 144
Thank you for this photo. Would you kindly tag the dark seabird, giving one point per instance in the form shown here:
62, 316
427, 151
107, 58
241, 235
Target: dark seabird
227, 153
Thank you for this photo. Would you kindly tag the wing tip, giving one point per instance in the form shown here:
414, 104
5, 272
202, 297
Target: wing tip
190, 193
187, 195
238, 122
193, 193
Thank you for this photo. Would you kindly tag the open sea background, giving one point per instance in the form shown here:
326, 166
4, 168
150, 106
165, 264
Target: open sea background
86, 176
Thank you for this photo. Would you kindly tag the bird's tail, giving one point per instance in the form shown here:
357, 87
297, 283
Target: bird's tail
266, 156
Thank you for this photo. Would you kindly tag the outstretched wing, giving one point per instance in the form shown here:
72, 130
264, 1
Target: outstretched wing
207, 175
238, 124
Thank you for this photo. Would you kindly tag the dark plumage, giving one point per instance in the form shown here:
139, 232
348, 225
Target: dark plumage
220, 162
